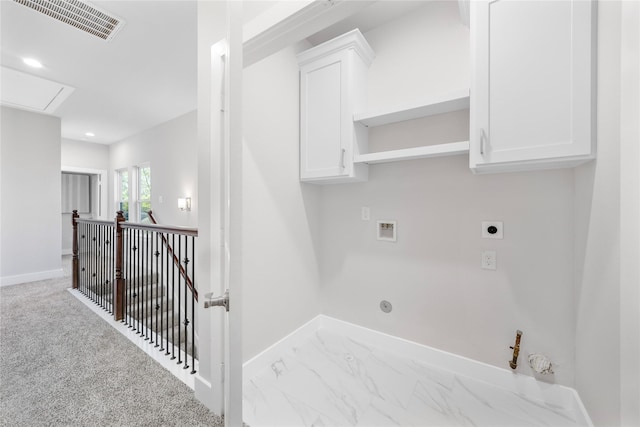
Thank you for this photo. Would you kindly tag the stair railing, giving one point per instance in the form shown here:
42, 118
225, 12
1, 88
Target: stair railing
176, 260
144, 275
93, 259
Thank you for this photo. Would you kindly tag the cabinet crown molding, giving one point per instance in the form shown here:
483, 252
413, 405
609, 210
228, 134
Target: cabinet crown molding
351, 40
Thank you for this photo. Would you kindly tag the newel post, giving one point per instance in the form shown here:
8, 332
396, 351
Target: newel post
74, 265
119, 291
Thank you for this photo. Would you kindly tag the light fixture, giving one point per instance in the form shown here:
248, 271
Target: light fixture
32, 62
89, 134
184, 204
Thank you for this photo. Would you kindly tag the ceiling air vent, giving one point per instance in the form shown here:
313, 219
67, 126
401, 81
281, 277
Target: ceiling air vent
78, 14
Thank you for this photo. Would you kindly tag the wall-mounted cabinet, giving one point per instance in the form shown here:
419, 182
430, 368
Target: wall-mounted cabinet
333, 124
533, 84
333, 79
532, 97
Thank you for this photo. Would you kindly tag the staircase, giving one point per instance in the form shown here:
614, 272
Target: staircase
140, 273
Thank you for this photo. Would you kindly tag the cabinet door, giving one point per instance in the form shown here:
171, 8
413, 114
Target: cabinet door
532, 98
324, 123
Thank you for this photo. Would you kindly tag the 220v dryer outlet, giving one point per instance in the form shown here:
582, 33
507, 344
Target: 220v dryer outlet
492, 230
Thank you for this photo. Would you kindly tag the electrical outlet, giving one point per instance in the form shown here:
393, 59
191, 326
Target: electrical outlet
489, 260
365, 214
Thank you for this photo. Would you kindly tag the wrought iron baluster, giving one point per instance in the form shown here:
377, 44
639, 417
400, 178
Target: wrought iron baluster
139, 281
98, 265
193, 316
165, 290
130, 273
90, 259
136, 263
173, 298
81, 256
127, 275
108, 294
145, 283
94, 264
158, 272
101, 269
113, 265
151, 290
186, 311
87, 258
180, 315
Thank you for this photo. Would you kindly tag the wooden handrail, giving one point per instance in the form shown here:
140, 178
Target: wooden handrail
93, 221
162, 228
170, 229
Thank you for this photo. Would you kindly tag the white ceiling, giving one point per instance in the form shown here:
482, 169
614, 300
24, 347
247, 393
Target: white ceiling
145, 76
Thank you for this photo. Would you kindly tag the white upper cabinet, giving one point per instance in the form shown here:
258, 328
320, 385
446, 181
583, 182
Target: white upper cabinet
533, 84
333, 78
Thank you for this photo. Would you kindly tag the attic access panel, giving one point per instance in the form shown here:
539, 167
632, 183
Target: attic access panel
28, 92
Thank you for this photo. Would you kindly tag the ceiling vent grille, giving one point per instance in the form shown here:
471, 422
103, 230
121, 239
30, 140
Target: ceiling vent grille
78, 14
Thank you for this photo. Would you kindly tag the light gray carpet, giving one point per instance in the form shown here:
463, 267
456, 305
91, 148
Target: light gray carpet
60, 364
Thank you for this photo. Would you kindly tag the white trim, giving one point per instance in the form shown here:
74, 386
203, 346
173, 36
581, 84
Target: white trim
31, 277
232, 216
164, 360
351, 40
289, 22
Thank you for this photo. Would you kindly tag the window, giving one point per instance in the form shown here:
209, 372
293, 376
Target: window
122, 192
144, 192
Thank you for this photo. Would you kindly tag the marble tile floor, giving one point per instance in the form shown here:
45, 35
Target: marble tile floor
333, 380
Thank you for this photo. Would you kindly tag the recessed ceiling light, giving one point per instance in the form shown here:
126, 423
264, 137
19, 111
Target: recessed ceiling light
32, 62
90, 134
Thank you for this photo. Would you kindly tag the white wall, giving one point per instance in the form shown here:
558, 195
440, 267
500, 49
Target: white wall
281, 216
432, 275
30, 202
630, 214
171, 150
421, 55
83, 154
93, 159
607, 306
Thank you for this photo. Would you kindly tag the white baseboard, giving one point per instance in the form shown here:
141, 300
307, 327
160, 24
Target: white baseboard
31, 277
206, 394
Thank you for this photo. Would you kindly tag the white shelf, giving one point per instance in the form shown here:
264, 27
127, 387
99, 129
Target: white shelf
454, 101
450, 149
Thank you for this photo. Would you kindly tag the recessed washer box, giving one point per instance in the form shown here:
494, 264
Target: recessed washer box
387, 230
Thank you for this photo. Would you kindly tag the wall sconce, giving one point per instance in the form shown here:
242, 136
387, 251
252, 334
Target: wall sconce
184, 204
